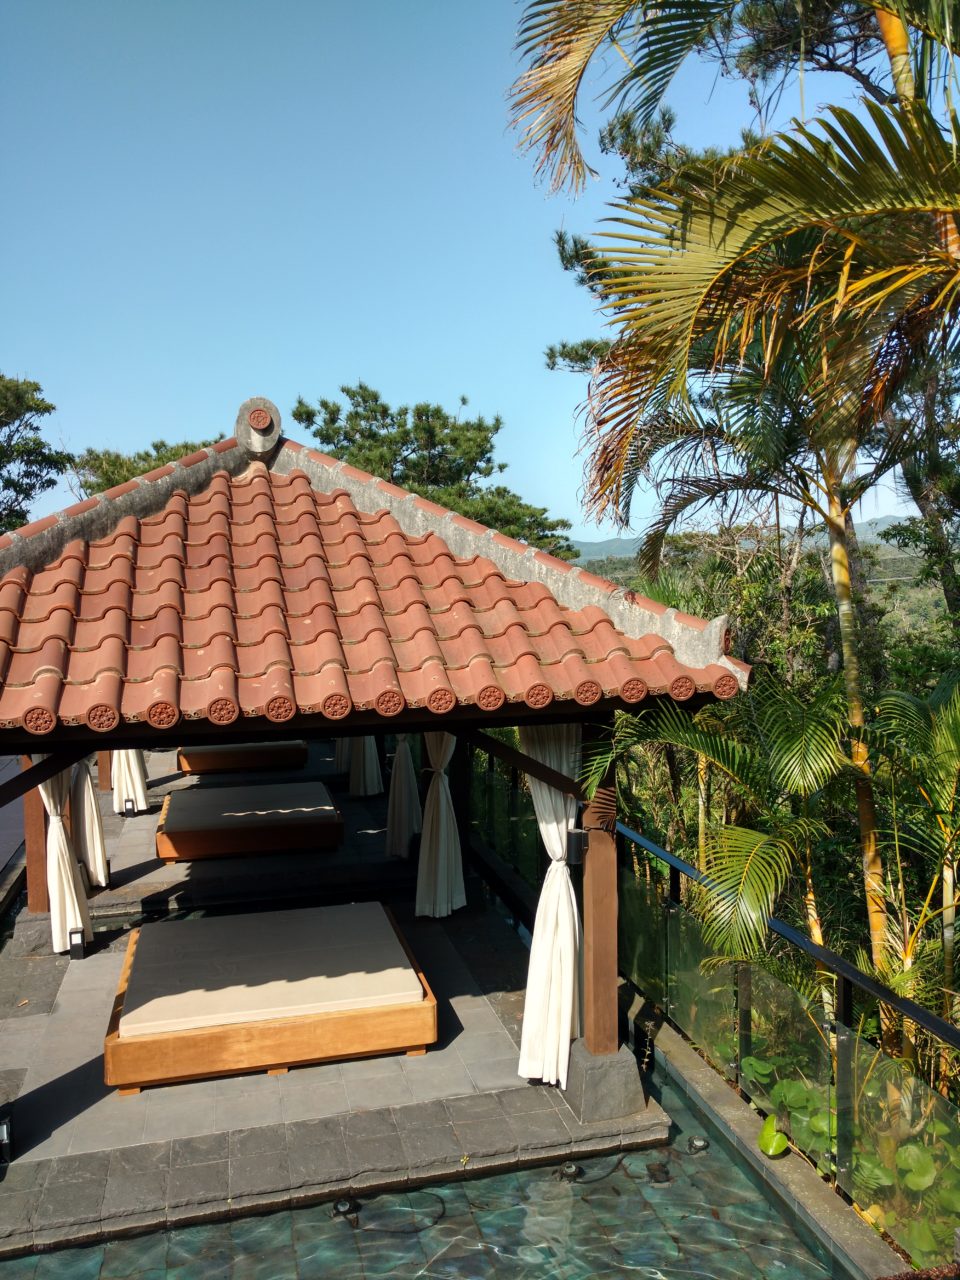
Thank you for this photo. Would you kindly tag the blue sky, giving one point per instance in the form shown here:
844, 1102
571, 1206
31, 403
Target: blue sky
219, 198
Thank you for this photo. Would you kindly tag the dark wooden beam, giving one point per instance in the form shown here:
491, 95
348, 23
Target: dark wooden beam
600, 1012
33, 774
517, 760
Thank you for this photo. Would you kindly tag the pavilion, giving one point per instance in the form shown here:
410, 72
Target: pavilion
259, 590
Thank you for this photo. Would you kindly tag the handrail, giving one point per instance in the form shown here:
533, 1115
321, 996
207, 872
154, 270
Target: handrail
945, 1031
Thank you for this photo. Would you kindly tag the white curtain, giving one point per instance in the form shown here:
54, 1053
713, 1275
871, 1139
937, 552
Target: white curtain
68, 902
86, 826
365, 776
551, 1014
440, 873
128, 777
341, 757
404, 815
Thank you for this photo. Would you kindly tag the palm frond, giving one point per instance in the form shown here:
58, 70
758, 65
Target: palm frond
802, 738
561, 38
700, 265
748, 870
733, 757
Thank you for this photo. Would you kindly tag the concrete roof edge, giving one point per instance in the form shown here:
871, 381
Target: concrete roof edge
98, 516
571, 587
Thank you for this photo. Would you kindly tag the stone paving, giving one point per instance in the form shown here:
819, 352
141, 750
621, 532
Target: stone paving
90, 1164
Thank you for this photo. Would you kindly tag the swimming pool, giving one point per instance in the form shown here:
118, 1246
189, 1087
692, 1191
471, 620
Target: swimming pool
662, 1214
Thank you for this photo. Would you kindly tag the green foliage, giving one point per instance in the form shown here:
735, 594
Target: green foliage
98, 469
439, 455
770, 1140
28, 465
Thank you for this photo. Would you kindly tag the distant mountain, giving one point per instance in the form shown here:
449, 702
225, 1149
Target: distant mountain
610, 548
868, 531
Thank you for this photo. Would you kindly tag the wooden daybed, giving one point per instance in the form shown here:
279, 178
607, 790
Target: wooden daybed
235, 757
218, 822
263, 992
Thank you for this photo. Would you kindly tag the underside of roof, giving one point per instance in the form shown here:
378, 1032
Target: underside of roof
277, 586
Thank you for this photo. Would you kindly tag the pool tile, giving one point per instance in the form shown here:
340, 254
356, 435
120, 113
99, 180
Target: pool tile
127, 1258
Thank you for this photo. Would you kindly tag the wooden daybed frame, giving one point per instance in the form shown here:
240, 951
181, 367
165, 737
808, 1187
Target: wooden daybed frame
312, 833
273, 1045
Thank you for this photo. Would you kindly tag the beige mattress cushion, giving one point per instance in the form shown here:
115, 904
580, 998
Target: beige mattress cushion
268, 805
273, 964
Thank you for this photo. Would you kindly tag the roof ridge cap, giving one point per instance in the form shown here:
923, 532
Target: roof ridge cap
36, 544
574, 587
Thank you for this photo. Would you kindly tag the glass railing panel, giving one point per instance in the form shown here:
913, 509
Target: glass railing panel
700, 992
786, 1065
479, 802
525, 837
641, 935
498, 818
898, 1153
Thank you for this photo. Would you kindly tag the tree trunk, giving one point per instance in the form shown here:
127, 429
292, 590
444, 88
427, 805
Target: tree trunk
866, 809
949, 876
896, 42
870, 646
703, 808
920, 476
815, 930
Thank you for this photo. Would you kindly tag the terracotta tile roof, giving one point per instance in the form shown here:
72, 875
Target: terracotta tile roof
223, 587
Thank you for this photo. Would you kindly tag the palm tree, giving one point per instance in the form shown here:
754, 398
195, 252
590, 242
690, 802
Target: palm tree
708, 273
777, 753
920, 739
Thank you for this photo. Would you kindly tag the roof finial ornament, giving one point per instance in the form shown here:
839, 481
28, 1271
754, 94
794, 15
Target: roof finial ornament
258, 427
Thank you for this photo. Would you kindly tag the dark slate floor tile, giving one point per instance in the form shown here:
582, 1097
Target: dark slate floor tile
200, 1149
480, 1138
475, 1108
260, 1174
316, 1164
420, 1115
383, 1154
24, 1175
378, 1091
92, 1164
17, 1211
198, 1183
263, 1140
314, 1132
490, 1074
533, 1097
134, 1193
146, 1157
429, 1147
368, 1124
535, 1130
64, 1203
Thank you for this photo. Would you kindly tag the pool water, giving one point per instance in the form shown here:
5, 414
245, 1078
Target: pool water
659, 1214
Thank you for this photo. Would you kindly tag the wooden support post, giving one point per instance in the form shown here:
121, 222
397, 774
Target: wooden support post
35, 847
103, 771
600, 1008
